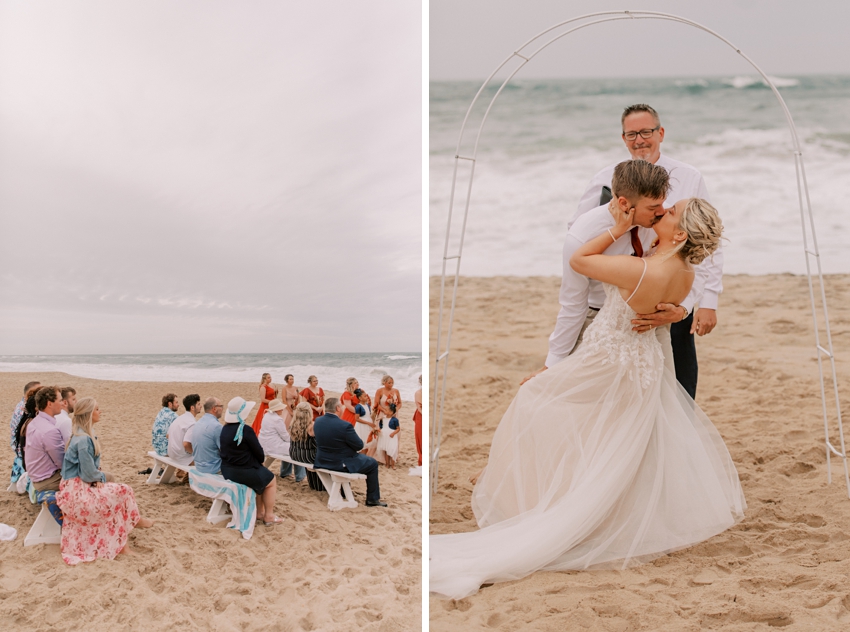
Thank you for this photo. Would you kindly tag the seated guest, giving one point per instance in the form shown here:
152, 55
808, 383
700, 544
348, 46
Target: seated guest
337, 449
242, 459
275, 440
98, 515
44, 451
179, 433
19, 411
302, 445
163, 421
206, 438
63, 419
20, 437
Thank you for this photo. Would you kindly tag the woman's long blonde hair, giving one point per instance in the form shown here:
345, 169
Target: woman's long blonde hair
303, 417
82, 422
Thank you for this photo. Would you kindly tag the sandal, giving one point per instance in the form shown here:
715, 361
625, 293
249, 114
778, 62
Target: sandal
273, 522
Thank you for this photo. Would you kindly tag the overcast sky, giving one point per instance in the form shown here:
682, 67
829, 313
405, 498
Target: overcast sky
469, 38
210, 176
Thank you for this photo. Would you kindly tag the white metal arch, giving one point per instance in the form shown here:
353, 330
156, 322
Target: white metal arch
522, 56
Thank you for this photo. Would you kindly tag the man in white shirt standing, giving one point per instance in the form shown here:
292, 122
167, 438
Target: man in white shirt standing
643, 134
180, 431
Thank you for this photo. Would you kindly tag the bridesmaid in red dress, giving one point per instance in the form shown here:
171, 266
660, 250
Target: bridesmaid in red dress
267, 394
349, 400
314, 396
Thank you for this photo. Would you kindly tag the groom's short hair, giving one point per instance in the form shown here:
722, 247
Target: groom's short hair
636, 179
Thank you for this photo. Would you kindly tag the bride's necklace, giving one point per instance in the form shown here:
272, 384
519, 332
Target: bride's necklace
652, 254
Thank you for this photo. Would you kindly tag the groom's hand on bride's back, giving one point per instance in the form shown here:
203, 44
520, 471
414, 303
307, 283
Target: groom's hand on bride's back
666, 313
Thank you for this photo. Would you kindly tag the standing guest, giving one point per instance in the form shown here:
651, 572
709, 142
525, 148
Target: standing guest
242, 459
364, 427
63, 419
206, 438
98, 515
350, 400
387, 405
314, 396
337, 449
417, 420
289, 396
303, 446
267, 394
274, 437
179, 433
163, 422
18, 464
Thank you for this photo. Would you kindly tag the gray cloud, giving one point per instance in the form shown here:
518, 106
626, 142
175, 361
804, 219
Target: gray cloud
214, 176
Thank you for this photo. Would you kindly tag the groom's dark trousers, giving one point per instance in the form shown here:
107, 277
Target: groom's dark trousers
685, 355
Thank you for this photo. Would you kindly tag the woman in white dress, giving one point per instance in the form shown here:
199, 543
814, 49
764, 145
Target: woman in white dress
603, 461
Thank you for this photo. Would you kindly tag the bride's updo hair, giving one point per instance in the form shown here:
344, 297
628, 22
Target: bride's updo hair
704, 229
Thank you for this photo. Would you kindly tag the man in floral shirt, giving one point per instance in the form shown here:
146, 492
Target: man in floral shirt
163, 422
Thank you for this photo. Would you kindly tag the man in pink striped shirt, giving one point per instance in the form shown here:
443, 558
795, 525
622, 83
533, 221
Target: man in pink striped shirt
45, 447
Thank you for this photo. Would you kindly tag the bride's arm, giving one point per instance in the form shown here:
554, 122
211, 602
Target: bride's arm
620, 270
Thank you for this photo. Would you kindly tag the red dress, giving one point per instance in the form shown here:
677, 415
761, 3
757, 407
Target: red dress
313, 399
417, 431
261, 411
347, 415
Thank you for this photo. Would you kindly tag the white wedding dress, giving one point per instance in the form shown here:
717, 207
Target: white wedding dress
602, 461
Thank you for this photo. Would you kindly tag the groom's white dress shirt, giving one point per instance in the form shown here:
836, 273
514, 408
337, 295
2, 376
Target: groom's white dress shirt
685, 182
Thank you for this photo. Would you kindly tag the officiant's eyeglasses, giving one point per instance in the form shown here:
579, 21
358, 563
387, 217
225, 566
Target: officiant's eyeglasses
644, 133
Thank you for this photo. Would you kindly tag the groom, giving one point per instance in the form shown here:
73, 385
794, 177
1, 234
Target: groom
635, 184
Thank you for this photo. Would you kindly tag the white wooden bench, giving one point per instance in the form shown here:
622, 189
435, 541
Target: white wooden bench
45, 529
333, 482
164, 469
222, 492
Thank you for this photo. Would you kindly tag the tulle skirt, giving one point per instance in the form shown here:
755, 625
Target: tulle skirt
97, 520
591, 468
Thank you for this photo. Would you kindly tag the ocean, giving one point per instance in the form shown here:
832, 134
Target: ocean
332, 369
545, 139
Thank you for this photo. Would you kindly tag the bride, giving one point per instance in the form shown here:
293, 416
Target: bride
603, 461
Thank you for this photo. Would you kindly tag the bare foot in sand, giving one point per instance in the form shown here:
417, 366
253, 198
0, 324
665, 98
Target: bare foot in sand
145, 523
127, 551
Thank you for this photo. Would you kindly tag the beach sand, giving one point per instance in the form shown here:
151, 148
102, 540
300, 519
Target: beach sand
786, 565
356, 569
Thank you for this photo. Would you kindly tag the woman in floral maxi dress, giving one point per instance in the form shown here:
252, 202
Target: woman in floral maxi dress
98, 516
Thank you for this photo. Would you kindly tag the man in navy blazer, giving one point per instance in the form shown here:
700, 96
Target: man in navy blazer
338, 447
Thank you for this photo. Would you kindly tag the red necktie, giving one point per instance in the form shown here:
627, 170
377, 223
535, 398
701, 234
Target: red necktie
636, 245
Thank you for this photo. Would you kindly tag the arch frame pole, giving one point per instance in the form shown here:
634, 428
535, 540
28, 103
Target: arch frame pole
806, 216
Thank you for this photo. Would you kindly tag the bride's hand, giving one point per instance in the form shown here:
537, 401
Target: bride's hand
624, 222
528, 377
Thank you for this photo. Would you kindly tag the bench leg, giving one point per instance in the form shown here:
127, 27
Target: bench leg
45, 530
162, 473
218, 512
335, 500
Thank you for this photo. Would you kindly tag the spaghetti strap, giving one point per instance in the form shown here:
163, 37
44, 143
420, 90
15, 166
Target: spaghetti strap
643, 274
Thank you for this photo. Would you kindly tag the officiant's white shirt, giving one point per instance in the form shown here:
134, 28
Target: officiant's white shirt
579, 292
685, 182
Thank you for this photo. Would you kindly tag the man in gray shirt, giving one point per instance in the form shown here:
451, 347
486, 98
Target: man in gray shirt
206, 438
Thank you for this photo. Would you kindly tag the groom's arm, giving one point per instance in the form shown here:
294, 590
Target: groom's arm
573, 299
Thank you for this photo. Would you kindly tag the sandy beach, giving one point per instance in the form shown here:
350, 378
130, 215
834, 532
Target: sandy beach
356, 569
786, 565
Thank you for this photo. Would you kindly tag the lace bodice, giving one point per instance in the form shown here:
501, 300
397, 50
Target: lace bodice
611, 333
